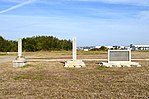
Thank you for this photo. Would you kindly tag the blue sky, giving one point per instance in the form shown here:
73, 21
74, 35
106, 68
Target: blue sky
93, 22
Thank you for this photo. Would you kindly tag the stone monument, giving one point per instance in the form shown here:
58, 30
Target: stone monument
74, 62
119, 58
20, 60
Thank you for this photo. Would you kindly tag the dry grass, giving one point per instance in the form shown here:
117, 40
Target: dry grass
49, 80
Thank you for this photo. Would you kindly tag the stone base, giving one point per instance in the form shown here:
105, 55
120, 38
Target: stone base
117, 64
19, 62
76, 64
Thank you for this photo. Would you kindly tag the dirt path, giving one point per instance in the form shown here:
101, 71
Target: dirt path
4, 59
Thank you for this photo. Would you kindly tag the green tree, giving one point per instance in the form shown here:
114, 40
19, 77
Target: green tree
36, 43
103, 48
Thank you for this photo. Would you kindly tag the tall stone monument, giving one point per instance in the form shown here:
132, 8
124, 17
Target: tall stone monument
74, 62
20, 60
74, 50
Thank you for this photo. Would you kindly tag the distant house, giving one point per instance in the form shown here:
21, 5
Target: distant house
139, 47
109, 47
97, 47
86, 50
131, 47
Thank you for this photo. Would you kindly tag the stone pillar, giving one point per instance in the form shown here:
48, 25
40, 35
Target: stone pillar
74, 62
20, 60
20, 48
74, 50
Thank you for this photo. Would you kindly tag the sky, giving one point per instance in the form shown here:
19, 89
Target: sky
92, 22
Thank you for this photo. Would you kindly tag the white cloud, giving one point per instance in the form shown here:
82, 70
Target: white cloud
143, 15
129, 2
17, 6
15, 1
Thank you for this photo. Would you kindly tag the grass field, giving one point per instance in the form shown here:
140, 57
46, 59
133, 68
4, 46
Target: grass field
49, 80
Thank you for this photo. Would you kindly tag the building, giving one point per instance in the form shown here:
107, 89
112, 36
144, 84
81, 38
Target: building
139, 47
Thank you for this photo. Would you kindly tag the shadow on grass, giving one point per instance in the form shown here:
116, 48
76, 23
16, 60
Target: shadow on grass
26, 66
3, 54
71, 68
31, 77
102, 68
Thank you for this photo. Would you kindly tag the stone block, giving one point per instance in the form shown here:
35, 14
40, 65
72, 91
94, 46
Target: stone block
116, 64
119, 58
20, 62
76, 64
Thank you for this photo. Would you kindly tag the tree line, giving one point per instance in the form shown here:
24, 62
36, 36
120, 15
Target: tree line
36, 43
102, 48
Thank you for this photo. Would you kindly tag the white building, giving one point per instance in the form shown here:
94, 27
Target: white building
140, 47
86, 50
109, 47
97, 47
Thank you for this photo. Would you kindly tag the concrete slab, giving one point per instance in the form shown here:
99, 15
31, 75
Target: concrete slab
19, 62
76, 64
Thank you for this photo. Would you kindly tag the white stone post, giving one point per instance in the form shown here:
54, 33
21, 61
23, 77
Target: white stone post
20, 48
74, 50
20, 60
74, 62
